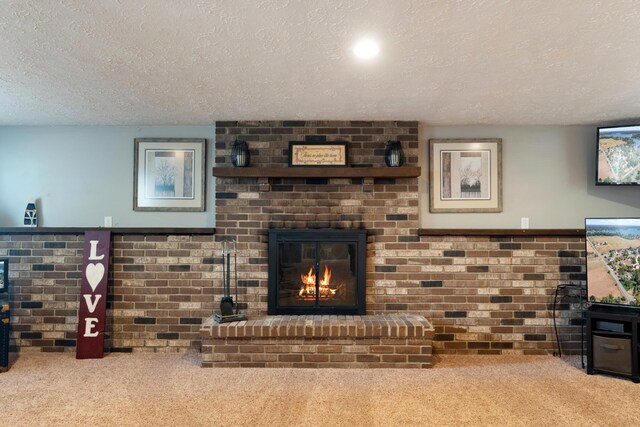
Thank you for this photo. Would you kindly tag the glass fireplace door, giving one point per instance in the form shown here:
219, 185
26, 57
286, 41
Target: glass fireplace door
316, 274
295, 262
317, 271
336, 273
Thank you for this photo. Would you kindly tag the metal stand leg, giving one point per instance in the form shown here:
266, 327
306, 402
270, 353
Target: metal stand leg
580, 290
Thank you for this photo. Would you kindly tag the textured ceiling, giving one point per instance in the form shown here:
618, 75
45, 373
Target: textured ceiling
441, 61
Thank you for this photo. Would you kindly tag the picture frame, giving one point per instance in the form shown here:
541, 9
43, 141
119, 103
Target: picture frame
318, 154
465, 175
169, 174
4, 275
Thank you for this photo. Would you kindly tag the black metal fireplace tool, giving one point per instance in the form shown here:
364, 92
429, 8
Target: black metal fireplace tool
229, 310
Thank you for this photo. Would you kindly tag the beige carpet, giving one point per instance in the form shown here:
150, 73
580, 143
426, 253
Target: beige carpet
171, 389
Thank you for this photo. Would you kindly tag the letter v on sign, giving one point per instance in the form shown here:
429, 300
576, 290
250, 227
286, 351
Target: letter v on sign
91, 305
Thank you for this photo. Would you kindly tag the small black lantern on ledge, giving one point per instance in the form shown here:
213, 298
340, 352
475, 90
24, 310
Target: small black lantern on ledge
393, 155
240, 155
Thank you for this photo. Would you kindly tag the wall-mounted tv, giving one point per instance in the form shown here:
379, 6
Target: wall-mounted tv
618, 155
613, 260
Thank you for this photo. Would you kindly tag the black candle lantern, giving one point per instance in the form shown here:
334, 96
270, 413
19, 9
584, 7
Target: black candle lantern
393, 155
240, 154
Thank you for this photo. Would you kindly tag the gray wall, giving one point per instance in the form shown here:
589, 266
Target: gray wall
548, 176
80, 174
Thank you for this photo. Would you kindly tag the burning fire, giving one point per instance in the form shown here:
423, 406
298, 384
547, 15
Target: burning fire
308, 288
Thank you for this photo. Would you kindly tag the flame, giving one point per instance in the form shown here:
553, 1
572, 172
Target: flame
308, 288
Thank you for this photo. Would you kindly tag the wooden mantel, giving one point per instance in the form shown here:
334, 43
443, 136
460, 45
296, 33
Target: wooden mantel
325, 172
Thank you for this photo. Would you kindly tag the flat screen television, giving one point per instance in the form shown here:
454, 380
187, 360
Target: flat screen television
618, 155
613, 260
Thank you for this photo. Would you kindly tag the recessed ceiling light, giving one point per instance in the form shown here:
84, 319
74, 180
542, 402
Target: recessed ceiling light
366, 49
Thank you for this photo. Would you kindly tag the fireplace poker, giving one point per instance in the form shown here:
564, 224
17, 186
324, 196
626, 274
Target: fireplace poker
227, 312
226, 304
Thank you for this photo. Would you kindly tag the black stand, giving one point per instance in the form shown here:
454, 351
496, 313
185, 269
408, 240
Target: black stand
570, 290
612, 341
226, 319
227, 313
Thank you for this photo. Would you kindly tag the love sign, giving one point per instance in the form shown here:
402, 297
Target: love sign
93, 295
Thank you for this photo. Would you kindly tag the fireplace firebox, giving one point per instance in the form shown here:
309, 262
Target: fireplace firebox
317, 271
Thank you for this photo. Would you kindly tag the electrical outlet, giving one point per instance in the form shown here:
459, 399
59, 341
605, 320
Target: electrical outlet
108, 221
524, 222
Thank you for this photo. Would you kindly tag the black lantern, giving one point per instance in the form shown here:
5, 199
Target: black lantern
393, 155
240, 154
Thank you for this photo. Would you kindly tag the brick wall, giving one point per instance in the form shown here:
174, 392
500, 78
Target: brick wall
483, 294
495, 294
160, 290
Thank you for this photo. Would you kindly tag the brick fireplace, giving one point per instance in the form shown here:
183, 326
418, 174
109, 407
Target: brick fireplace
363, 220
247, 208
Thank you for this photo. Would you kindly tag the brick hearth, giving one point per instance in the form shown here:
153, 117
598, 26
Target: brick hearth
378, 341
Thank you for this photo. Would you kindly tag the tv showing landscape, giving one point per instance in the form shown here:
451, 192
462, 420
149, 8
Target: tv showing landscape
618, 156
613, 260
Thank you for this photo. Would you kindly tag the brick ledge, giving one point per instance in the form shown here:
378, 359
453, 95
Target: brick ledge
369, 326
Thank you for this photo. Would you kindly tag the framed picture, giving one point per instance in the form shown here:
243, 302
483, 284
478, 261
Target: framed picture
318, 154
169, 174
465, 175
4, 275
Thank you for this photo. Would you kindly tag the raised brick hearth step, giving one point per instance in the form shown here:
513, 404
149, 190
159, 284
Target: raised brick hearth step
376, 341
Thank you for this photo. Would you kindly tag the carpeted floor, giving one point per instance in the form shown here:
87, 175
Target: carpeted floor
171, 389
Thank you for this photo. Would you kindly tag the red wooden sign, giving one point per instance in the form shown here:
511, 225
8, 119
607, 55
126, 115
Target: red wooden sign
93, 295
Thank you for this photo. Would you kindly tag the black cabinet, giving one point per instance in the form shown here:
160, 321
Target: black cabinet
612, 341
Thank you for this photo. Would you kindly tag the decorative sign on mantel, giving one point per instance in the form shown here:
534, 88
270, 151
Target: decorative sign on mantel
318, 154
93, 295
